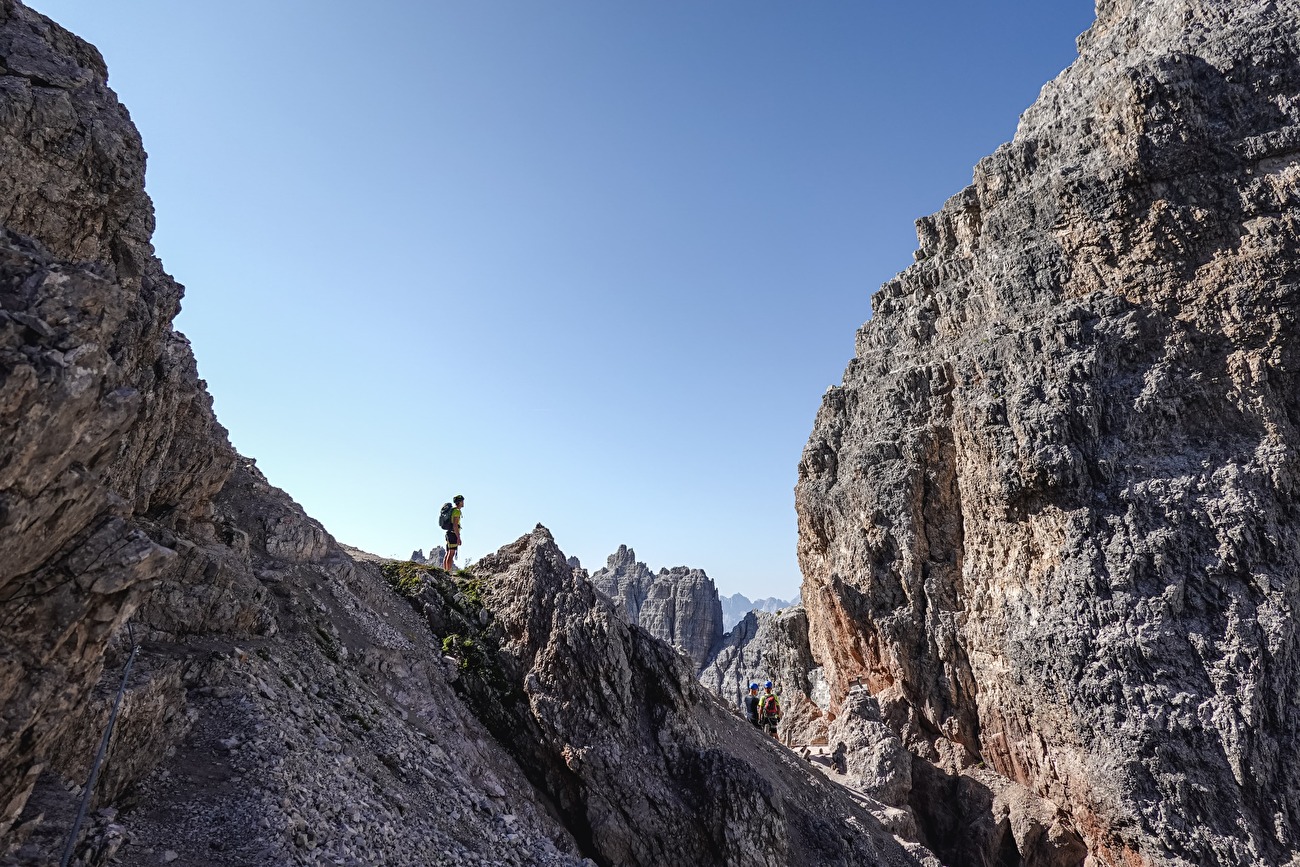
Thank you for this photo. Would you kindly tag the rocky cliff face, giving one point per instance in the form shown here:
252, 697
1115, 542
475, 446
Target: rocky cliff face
110, 447
679, 605
1050, 516
645, 764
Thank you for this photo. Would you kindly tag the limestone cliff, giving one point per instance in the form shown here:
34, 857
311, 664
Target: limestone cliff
678, 605
647, 766
1050, 516
108, 437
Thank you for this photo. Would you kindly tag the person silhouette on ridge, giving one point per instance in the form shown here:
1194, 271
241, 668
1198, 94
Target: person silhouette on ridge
453, 533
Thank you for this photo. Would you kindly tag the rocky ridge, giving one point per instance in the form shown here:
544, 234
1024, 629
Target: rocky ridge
1050, 516
641, 737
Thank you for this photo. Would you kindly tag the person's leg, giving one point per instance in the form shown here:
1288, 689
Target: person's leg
452, 542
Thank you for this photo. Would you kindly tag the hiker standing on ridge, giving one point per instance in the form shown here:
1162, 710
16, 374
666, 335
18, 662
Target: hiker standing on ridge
449, 520
769, 704
751, 705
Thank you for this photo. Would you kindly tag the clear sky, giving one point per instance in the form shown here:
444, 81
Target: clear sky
590, 263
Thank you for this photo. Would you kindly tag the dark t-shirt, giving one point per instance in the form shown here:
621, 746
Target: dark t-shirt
751, 708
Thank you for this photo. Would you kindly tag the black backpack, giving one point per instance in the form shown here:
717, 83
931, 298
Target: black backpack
444, 517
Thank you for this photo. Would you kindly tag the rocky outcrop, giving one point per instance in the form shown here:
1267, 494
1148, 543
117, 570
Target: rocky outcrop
646, 765
737, 605
1052, 512
679, 605
334, 738
436, 555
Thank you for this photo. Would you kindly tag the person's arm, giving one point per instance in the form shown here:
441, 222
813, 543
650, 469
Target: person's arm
455, 525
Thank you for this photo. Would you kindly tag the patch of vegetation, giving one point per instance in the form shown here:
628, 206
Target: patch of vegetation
469, 652
359, 720
463, 593
472, 587
328, 645
406, 577
264, 654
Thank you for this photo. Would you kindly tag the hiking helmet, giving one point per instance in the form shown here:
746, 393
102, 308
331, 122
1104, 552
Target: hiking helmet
459, 498
753, 686
767, 685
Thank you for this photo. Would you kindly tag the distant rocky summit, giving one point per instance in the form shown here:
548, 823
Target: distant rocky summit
678, 605
435, 557
737, 605
1050, 518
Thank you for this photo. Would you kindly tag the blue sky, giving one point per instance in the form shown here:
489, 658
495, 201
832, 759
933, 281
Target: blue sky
591, 264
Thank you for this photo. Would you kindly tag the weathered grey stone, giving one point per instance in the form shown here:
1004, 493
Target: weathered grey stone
679, 605
108, 435
652, 767
1053, 505
876, 762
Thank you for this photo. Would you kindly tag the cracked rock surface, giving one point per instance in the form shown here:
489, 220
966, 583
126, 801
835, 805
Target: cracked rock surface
1050, 516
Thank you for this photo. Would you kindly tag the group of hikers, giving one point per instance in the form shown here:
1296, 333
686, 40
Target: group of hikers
763, 710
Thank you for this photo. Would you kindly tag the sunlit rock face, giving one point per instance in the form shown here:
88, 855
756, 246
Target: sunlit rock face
1051, 512
679, 605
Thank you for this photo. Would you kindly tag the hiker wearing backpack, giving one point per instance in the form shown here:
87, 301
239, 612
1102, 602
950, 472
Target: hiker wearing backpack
751, 705
769, 709
449, 520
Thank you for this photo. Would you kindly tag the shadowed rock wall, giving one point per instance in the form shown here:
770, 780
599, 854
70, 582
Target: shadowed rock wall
109, 441
651, 767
